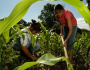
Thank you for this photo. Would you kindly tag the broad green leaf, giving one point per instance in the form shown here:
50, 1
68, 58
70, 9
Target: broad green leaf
6, 35
17, 13
49, 59
17, 68
27, 65
82, 9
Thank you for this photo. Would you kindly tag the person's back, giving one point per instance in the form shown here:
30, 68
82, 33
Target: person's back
26, 45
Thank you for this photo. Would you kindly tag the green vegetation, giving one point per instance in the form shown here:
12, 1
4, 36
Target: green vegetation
50, 42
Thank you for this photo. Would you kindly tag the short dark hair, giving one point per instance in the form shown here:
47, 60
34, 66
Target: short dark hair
58, 7
36, 25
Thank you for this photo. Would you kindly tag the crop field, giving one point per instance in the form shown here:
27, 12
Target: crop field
51, 54
51, 45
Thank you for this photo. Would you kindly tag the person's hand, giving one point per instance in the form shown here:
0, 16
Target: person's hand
65, 44
61, 34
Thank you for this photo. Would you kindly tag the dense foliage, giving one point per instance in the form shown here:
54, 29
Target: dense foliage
52, 44
47, 16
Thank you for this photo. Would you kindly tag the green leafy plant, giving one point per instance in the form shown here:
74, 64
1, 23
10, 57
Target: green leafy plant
47, 59
17, 13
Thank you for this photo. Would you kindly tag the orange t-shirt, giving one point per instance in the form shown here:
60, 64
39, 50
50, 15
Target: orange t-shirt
66, 14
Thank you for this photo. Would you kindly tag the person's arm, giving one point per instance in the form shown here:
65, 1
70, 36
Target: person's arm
70, 31
24, 48
26, 51
70, 28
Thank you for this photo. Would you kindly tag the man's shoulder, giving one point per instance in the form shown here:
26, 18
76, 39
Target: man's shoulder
25, 29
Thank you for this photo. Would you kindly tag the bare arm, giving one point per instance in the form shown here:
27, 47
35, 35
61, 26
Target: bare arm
26, 51
70, 28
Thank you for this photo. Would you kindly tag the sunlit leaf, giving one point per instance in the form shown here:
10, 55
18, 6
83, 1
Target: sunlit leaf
27, 65
17, 13
17, 68
49, 59
6, 35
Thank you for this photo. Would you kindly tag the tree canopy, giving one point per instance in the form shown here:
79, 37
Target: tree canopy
47, 16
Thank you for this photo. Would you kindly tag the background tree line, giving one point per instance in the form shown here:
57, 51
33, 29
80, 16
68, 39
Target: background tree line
47, 17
